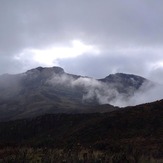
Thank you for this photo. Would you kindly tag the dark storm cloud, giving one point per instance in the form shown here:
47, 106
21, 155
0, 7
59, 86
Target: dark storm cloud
109, 25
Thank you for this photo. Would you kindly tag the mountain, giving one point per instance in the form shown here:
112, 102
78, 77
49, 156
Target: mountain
52, 90
125, 81
134, 133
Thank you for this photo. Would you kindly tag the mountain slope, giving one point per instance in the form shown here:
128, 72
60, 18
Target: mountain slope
51, 90
139, 127
124, 82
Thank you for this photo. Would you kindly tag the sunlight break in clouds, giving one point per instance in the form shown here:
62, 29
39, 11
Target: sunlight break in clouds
50, 55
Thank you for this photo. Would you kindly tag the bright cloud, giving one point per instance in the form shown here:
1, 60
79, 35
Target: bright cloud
50, 55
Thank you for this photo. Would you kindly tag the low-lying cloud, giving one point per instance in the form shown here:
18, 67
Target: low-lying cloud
105, 93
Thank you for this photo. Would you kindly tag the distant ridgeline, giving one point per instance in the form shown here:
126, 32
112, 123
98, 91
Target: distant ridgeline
52, 90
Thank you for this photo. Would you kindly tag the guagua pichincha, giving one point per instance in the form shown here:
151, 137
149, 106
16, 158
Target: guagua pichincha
52, 90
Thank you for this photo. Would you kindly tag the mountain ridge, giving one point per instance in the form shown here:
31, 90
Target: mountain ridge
51, 90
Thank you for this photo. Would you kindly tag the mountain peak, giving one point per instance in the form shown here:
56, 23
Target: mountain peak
123, 76
55, 69
125, 80
58, 69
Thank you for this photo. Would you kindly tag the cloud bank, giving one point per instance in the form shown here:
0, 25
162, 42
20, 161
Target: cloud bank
127, 33
105, 93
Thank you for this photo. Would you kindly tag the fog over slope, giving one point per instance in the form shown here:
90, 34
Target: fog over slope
107, 93
118, 89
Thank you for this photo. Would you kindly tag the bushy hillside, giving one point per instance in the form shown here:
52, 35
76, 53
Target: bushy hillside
139, 127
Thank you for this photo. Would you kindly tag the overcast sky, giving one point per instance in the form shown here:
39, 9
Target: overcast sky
88, 37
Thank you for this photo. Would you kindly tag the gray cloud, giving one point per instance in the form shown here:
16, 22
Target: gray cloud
106, 93
146, 64
92, 89
113, 26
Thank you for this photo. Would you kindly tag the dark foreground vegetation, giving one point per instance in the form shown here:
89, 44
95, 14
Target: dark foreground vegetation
47, 155
133, 134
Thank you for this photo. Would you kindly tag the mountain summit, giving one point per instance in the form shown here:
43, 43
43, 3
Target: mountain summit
126, 79
124, 82
46, 70
52, 90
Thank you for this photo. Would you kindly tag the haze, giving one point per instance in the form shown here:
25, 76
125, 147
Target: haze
91, 38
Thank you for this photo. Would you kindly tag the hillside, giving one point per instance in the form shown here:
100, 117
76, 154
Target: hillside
132, 133
138, 128
51, 90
